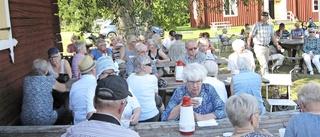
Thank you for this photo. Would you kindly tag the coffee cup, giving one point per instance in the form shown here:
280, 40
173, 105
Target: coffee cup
125, 122
281, 132
198, 99
282, 50
227, 134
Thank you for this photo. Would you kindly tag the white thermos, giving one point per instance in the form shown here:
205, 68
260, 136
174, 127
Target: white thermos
186, 123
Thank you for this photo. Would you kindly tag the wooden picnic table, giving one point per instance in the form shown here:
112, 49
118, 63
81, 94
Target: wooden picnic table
271, 121
296, 44
219, 61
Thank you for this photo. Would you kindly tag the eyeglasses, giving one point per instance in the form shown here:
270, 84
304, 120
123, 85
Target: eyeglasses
194, 48
149, 64
194, 82
54, 57
311, 31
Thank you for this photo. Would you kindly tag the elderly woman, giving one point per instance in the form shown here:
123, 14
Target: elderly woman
156, 54
247, 81
106, 67
238, 47
311, 51
220, 87
101, 49
81, 50
145, 87
37, 104
127, 51
306, 124
242, 111
213, 107
204, 47
157, 40
117, 44
225, 40
57, 65
70, 47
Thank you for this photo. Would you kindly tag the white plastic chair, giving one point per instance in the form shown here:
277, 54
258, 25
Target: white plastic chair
216, 43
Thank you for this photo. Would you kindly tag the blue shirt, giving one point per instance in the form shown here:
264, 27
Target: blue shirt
211, 102
285, 34
249, 82
297, 32
97, 54
311, 45
303, 125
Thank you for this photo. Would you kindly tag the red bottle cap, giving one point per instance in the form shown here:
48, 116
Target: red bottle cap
104, 51
180, 63
186, 101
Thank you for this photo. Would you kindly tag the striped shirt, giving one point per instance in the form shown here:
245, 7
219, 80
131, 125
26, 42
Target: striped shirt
312, 45
176, 50
95, 128
75, 60
200, 58
261, 34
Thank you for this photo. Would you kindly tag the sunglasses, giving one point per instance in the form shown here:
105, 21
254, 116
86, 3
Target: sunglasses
311, 31
149, 64
195, 48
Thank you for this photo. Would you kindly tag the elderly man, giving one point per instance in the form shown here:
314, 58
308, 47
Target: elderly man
81, 50
239, 49
140, 49
306, 124
296, 33
177, 48
203, 45
262, 32
110, 100
213, 107
192, 55
220, 87
79, 90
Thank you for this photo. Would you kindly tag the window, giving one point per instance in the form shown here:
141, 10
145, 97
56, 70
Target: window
315, 5
230, 8
6, 40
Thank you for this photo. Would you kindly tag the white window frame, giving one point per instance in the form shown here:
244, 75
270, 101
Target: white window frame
235, 11
313, 10
10, 42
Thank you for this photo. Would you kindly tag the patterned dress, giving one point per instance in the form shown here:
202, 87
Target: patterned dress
37, 104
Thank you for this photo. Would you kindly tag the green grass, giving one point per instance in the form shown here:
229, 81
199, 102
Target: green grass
193, 33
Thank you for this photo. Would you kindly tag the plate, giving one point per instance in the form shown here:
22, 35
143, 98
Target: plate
205, 123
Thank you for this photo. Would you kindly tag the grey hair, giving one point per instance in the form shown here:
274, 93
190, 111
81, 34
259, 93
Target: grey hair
243, 62
151, 42
224, 30
132, 38
138, 47
237, 45
78, 46
309, 93
239, 109
100, 41
156, 38
212, 67
194, 72
189, 42
39, 67
139, 61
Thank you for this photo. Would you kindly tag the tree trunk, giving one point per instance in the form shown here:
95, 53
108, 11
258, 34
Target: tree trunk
146, 19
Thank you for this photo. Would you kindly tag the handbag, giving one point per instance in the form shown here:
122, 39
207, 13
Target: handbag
63, 78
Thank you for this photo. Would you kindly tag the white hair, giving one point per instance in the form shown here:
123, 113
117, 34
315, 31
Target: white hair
194, 72
139, 61
243, 62
237, 45
239, 108
78, 45
212, 67
39, 67
309, 93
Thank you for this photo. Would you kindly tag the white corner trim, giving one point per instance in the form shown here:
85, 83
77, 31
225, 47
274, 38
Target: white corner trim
11, 42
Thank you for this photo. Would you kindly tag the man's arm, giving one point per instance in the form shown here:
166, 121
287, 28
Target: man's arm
275, 42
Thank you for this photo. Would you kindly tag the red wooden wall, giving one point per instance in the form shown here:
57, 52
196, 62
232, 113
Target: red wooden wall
36, 30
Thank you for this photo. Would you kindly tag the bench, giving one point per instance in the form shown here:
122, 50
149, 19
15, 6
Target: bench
223, 24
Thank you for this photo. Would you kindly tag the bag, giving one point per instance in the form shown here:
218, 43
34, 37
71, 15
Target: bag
63, 78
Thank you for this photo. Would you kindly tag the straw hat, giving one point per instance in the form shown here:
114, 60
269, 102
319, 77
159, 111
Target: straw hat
86, 64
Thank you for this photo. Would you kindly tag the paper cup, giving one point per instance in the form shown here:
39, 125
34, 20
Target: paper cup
281, 132
229, 79
227, 134
125, 122
198, 99
282, 50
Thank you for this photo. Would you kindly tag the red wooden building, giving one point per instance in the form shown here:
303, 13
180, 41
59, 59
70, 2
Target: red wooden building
35, 26
202, 12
